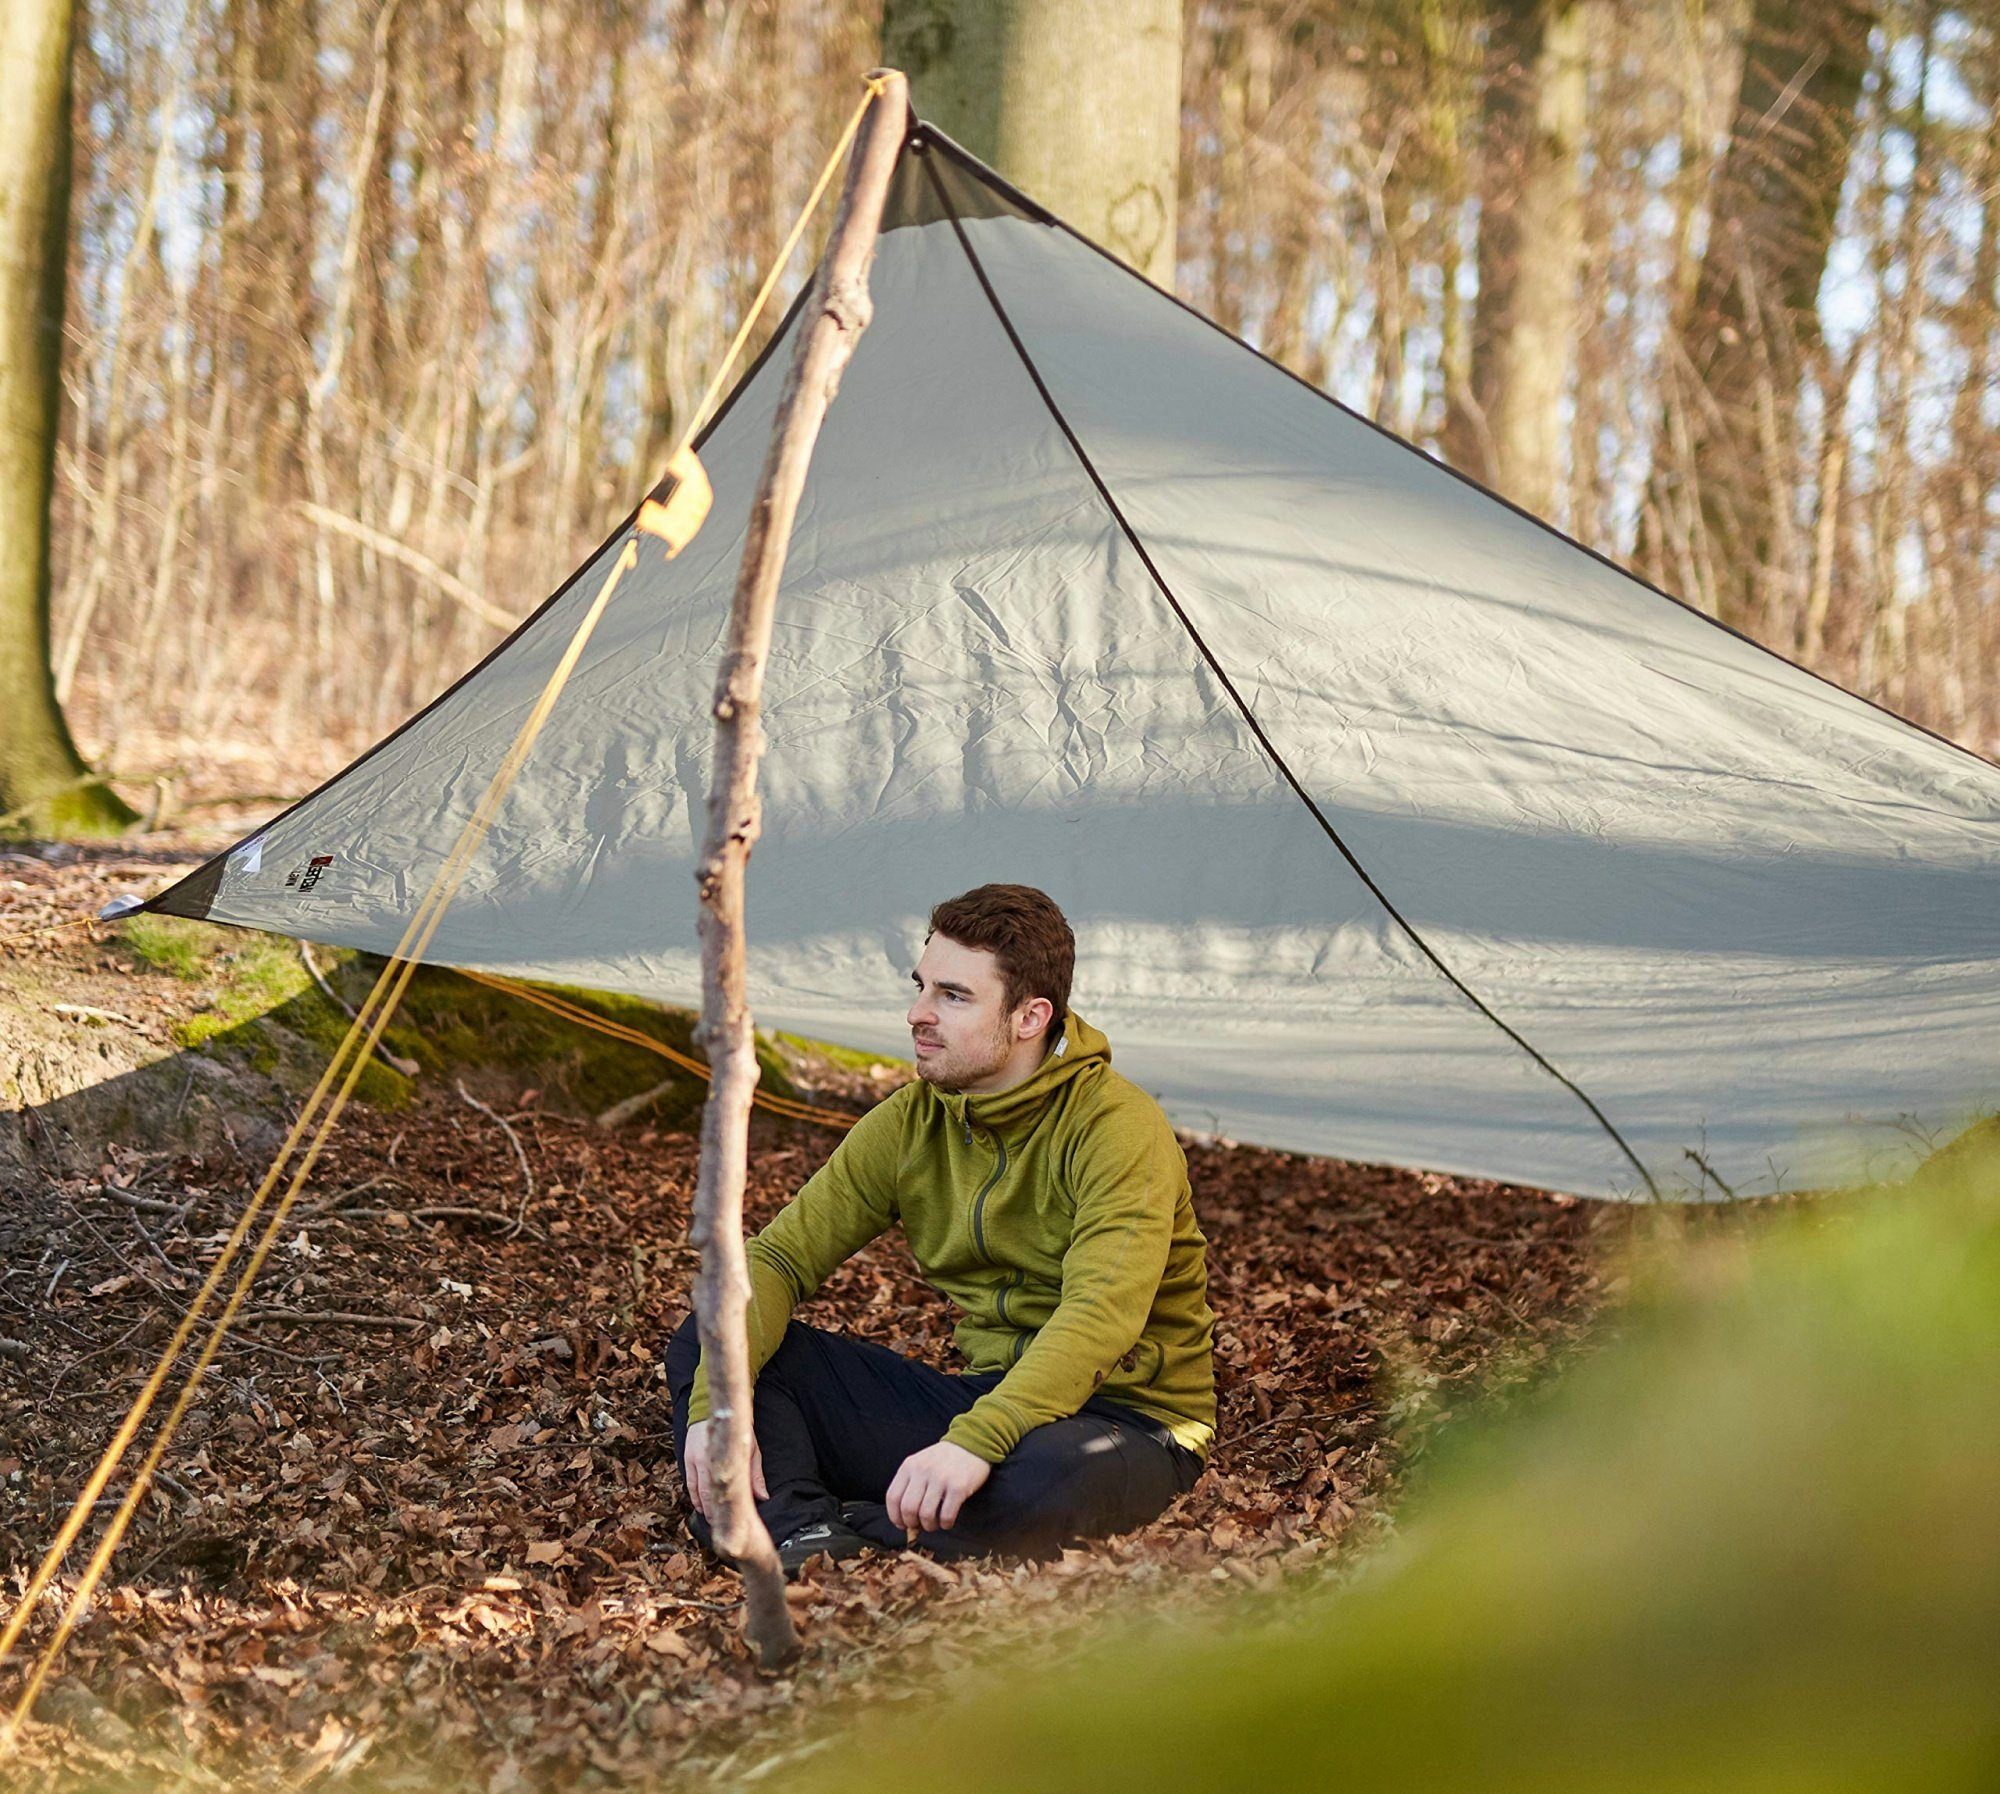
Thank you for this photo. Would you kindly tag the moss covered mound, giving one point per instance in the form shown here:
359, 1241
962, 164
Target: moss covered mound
260, 1008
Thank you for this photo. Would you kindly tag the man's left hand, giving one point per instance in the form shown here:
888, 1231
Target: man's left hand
932, 1485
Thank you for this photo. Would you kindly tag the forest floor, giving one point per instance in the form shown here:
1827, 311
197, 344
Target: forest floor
423, 1527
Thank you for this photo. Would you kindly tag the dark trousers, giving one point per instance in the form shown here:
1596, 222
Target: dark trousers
836, 1417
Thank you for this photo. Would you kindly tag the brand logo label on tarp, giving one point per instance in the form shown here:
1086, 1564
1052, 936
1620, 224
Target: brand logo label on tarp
303, 878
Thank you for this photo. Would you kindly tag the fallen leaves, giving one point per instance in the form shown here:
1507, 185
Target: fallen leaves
484, 1522
424, 1514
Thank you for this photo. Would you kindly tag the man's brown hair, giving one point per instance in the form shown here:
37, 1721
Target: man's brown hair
1022, 928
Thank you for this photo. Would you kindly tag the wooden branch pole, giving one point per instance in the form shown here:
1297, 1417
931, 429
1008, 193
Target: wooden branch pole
828, 330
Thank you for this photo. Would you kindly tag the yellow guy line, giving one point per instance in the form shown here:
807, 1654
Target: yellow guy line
790, 1107
35, 934
374, 1015
371, 1020
874, 86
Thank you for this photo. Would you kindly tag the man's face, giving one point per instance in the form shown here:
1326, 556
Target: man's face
963, 1035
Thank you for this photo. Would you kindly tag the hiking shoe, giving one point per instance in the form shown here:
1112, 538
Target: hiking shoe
824, 1538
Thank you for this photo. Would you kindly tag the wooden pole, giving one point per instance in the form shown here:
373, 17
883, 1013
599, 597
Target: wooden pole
828, 330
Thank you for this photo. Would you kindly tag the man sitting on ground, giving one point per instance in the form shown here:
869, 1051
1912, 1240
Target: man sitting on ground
1046, 1196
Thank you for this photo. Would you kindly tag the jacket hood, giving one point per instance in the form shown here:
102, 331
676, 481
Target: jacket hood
1080, 1048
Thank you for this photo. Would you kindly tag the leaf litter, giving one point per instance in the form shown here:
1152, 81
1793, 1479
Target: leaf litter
423, 1526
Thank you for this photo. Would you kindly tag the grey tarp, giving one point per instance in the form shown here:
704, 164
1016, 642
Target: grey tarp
1393, 824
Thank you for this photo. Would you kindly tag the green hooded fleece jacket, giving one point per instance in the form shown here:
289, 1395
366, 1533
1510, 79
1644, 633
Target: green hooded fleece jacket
1055, 1215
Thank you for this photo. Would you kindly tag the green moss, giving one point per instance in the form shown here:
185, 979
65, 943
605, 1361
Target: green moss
172, 944
846, 1058
448, 1021
258, 978
83, 809
251, 1046
199, 1030
266, 971
263, 1011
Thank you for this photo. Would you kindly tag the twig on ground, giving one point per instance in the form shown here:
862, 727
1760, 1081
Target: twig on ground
77, 1364
82, 1012
452, 1211
1513, 1313
325, 989
153, 1246
513, 1140
447, 1211
335, 1203
147, 1205
395, 1061
1249, 1432
316, 1360
624, 1110
331, 1317
1709, 1173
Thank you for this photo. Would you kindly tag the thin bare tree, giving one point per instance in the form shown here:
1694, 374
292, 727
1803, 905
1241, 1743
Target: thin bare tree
838, 313
1528, 312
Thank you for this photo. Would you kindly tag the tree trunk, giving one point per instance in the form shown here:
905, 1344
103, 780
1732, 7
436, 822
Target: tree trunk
1755, 312
287, 231
1527, 320
1079, 106
44, 783
831, 326
1442, 35
1972, 468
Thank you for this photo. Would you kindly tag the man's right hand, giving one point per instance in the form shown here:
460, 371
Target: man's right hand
699, 1469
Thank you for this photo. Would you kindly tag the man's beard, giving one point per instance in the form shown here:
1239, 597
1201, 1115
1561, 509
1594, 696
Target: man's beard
957, 1067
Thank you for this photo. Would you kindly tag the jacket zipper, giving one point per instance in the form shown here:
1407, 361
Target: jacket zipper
979, 1201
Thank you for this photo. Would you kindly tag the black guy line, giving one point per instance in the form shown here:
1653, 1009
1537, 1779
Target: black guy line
1249, 716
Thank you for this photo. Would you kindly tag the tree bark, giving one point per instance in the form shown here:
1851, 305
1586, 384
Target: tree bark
1755, 313
1528, 315
44, 783
1079, 106
287, 230
831, 325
